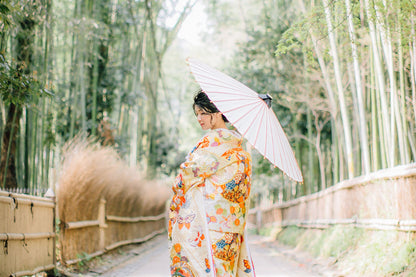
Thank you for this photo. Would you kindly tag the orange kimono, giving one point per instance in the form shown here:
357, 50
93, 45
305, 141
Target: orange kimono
207, 215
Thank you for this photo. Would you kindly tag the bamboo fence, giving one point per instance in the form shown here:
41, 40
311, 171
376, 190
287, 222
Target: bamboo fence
383, 200
91, 238
27, 234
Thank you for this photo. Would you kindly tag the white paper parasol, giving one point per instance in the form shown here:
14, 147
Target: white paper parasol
250, 114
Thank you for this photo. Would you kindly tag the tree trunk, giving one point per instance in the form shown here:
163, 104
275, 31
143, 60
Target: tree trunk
9, 146
8, 150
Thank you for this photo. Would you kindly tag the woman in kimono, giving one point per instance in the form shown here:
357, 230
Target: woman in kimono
208, 211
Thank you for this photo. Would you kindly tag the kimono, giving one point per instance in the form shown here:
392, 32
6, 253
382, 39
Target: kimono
207, 214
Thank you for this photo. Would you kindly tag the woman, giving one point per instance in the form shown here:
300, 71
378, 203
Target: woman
211, 198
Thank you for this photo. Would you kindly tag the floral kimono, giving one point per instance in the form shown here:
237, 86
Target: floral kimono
208, 210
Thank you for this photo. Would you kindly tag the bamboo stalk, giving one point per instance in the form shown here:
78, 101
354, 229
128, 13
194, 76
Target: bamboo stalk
95, 8
33, 148
402, 89
362, 123
385, 127
374, 129
341, 97
26, 159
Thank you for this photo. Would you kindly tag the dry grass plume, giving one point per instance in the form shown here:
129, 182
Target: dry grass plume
91, 172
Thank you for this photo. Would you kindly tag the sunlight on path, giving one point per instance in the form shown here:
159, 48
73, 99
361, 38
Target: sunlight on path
153, 262
268, 261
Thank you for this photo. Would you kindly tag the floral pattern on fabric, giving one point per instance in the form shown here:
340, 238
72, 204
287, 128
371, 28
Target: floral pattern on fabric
180, 266
236, 190
227, 247
207, 214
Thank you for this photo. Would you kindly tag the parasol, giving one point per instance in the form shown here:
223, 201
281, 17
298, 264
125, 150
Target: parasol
250, 113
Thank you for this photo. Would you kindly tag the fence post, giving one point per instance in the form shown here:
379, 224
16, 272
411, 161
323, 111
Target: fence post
51, 195
258, 219
102, 224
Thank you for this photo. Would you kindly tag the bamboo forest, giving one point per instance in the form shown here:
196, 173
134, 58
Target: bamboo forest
341, 74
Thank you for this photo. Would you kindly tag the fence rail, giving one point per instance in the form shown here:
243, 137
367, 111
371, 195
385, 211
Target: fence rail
81, 224
29, 191
135, 219
373, 224
116, 245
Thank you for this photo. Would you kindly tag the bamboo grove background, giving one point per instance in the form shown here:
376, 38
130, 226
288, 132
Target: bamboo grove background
96, 66
342, 75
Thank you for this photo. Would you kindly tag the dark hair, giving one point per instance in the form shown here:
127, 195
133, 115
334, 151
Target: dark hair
202, 101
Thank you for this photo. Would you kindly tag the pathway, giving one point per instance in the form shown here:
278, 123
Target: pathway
270, 259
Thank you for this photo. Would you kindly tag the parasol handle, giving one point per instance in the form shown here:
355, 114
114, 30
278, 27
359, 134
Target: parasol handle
267, 99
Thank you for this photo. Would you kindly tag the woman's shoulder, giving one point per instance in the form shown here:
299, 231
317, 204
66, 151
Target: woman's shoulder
217, 137
224, 133
211, 138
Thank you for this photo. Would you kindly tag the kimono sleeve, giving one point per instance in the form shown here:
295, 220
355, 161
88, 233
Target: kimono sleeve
200, 164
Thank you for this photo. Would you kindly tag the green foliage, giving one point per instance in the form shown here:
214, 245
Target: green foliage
296, 39
84, 259
338, 240
384, 252
19, 88
266, 231
169, 156
4, 19
357, 251
290, 235
50, 135
293, 38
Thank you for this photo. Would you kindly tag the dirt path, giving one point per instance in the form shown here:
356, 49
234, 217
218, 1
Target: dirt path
270, 259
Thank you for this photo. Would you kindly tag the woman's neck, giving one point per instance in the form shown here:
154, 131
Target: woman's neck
219, 125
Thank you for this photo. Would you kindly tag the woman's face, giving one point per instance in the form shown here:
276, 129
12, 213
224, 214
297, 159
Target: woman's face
208, 120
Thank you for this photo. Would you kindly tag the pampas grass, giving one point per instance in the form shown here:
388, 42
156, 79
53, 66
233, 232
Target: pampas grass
90, 173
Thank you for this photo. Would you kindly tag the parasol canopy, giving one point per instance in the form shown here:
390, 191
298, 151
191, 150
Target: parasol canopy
250, 113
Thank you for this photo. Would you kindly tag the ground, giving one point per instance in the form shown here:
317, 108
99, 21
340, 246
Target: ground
151, 259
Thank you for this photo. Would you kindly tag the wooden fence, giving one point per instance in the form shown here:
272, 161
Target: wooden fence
383, 200
92, 238
27, 234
